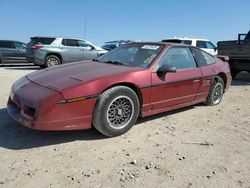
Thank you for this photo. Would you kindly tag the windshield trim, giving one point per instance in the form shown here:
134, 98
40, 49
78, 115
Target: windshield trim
136, 43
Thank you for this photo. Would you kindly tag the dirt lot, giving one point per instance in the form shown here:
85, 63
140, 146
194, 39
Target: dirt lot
197, 146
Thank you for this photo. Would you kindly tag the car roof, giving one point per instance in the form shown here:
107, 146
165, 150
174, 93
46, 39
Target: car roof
64, 37
12, 41
186, 38
167, 44
118, 41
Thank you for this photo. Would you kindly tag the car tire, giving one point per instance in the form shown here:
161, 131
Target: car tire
52, 60
234, 73
116, 111
216, 93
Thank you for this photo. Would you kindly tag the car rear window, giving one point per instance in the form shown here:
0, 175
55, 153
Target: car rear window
189, 42
172, 40
41, 40
7, 44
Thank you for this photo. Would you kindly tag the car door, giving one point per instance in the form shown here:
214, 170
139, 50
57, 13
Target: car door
175, 88
8, 51
71, 51
20, 52
89, 51
206, 63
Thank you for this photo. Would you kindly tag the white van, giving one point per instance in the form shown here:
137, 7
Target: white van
204, 44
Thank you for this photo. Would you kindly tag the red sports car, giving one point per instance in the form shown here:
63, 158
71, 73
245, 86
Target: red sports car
111, 91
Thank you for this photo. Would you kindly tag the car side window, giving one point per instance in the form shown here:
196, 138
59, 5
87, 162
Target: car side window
179, 57
209, 45
201, 44
84, 44
209, 58
200, 60
70, 42
188, 42
20, 46
7, 44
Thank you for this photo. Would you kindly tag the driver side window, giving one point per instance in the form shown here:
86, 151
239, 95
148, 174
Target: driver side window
179, 57
84, 44
20, 46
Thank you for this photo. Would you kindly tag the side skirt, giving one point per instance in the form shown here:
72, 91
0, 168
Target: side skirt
160, 110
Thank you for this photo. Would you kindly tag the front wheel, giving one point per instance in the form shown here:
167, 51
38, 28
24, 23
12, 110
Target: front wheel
116, 111
216, 93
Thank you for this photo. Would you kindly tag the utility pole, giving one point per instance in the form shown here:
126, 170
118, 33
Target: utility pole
85, 24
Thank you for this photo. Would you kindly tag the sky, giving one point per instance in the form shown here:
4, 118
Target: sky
147, 20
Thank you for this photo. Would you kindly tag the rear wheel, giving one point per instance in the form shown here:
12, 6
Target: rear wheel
216, 93
116, 111
52, 60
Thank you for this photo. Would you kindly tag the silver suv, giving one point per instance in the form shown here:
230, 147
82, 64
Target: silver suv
50, 51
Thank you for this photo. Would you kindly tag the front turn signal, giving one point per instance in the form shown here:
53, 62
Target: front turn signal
71, 100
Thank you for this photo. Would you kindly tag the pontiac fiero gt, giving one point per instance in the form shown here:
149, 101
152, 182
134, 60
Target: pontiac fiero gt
113, 90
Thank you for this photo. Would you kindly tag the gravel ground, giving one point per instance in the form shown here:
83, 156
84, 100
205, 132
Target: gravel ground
198, 146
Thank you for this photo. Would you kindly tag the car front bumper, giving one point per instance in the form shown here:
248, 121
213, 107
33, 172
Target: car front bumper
43, 113
41, 123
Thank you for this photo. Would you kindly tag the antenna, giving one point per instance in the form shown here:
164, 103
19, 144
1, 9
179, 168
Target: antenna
85, 24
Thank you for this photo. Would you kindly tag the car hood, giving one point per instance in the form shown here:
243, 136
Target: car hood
69, 75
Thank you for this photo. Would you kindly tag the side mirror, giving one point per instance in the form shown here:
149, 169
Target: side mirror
166, 68
89, 48
215, 49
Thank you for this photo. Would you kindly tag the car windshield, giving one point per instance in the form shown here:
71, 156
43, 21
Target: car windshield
133, 54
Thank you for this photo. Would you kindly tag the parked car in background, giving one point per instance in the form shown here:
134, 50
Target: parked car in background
50, 51
111, 91
203, 44
114, 44
12, 51
238, 52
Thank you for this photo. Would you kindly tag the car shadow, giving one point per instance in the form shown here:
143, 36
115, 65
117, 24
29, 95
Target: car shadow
242, 79
21, 67
164, 114
17, 137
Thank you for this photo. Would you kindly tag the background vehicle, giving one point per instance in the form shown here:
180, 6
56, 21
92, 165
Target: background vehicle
203, 44
114, 44
238, 52
137, 79
50, 51
12, 51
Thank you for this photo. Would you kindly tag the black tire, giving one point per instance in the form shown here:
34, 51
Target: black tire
234, 73
218, 86
42, 66
108, 103
52, 60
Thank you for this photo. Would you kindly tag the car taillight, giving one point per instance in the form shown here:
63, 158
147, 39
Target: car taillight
37, 46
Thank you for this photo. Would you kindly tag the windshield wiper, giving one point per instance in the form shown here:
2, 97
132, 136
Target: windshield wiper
115, 62
95, 59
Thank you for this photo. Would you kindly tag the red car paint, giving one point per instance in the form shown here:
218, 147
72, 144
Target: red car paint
36, 99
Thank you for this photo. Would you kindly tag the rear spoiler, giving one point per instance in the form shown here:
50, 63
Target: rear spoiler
223, 58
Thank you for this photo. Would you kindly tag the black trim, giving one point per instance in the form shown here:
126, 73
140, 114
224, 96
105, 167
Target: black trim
92, 96
173, 82
84, 98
